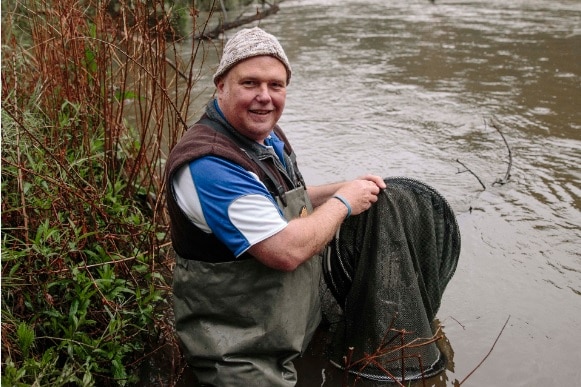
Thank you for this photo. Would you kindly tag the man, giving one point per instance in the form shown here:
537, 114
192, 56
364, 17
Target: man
247, 240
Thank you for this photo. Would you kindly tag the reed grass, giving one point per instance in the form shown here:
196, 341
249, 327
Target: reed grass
93, 95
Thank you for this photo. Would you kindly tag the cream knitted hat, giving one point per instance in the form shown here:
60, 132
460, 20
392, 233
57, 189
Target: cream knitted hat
248, 43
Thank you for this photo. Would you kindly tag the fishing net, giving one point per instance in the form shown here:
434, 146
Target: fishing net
387, 269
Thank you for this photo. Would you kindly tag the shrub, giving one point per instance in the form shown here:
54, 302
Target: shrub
91, 101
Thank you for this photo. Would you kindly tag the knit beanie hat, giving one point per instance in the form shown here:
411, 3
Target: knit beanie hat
248, 43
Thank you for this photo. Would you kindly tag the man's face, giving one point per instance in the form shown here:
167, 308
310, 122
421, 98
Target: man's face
252, 95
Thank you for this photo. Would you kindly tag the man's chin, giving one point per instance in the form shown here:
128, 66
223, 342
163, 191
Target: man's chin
262, 126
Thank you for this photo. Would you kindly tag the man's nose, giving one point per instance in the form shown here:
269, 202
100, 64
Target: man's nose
263, 94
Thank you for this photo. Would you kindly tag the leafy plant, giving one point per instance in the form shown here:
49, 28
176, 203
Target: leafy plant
90, 104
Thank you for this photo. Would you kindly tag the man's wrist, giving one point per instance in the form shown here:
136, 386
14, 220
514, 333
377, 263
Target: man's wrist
345, 202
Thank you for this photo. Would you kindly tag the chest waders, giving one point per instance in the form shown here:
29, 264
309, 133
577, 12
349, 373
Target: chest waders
242, 323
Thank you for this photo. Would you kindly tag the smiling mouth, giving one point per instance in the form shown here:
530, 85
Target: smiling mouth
260, 112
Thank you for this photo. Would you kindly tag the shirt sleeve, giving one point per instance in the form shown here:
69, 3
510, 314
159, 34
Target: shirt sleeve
223, 198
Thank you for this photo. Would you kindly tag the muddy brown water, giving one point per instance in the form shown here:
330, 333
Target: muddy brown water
410, 88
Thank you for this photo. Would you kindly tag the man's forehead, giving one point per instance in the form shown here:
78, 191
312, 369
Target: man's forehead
259, 67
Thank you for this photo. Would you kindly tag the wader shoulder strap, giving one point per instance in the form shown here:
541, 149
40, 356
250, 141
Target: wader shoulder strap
247, 148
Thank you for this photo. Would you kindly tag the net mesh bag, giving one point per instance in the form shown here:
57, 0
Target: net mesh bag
387, 269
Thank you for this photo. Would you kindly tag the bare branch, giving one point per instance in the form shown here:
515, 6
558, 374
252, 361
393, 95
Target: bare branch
488, 354
238, 22
469, 170
496, 125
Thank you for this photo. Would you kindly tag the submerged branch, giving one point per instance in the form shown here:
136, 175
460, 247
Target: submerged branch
495, 124
488, 354
469, 170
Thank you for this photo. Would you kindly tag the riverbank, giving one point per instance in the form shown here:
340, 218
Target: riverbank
85, 251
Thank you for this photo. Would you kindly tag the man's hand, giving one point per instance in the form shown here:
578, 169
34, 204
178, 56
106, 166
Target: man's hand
362, 192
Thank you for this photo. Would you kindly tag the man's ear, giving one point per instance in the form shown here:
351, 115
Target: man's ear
220, 84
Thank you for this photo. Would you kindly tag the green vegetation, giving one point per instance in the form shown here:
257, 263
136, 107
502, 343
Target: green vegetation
92, 98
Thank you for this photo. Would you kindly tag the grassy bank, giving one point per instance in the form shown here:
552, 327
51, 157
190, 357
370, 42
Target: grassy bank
93, 95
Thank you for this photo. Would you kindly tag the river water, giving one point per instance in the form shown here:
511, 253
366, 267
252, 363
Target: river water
410, 88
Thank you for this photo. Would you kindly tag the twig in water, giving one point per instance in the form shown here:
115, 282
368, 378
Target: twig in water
469, 170
489, 352
495, 124
384, 349
459, 323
